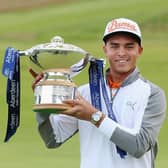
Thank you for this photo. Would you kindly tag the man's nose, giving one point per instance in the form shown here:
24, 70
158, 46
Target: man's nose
121, 51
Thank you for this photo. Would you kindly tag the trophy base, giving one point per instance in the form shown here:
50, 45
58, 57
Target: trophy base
50, 108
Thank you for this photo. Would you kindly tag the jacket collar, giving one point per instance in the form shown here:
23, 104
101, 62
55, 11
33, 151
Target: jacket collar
130, 78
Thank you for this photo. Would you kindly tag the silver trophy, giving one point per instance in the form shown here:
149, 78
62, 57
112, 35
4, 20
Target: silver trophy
59, 62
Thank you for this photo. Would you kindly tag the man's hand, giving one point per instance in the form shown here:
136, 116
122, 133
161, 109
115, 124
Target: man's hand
81, 108
37, 77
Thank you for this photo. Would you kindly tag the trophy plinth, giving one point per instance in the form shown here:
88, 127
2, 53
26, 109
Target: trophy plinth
59, 62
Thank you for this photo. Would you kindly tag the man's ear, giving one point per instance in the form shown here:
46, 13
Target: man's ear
140, 50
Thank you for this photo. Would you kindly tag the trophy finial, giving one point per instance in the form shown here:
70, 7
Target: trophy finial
57, 39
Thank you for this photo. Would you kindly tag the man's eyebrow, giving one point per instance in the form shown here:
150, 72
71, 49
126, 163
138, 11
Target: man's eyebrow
133, 42
113, 43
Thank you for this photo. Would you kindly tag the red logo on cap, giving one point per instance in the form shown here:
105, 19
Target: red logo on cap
121, 25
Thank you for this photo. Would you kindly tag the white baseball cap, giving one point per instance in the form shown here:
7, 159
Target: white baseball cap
122, 25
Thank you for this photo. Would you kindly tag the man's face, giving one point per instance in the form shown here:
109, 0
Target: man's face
122, 52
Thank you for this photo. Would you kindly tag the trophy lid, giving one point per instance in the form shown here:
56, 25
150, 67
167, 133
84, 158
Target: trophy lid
57, 54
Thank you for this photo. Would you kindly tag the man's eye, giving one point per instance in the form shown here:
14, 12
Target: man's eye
114, 46
130, 46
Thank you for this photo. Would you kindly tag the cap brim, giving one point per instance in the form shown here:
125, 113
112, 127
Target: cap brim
136, 37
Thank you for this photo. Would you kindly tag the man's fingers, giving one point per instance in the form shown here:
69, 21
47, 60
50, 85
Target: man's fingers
37, 77
70, 102
33, 73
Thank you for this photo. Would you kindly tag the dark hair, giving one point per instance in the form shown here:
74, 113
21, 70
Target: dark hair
135, 37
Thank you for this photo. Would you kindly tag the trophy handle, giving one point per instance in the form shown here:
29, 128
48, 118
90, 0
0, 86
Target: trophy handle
78, 67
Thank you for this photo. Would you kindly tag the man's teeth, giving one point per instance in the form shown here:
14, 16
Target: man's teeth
121, 61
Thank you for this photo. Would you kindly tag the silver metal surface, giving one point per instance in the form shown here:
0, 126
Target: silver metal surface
53, 94
57, 54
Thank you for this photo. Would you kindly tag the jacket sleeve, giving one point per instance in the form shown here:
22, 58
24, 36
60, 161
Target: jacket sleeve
136, 144
56, 129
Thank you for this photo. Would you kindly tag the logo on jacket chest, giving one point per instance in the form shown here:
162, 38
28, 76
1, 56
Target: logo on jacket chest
131, 105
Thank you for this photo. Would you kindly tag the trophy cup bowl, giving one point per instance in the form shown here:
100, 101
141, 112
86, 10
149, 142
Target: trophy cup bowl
59, 62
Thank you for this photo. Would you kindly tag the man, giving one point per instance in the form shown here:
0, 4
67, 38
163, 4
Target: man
129, 138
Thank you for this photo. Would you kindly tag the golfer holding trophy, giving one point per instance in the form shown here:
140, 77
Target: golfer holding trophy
118, 117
